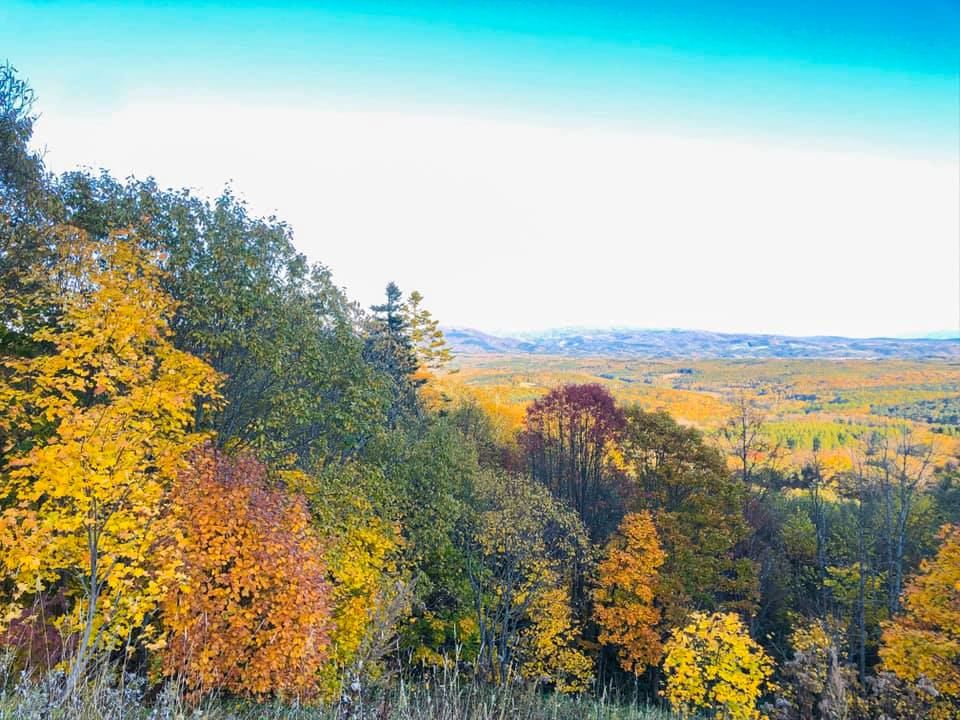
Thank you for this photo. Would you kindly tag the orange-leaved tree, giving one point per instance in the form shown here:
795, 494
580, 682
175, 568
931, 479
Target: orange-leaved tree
251, 611
97, 427
623, 599
924, 641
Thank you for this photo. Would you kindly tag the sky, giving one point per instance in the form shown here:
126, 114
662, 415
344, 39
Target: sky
753, 166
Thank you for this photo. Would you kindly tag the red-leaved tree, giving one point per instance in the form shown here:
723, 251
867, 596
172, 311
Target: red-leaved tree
567, 435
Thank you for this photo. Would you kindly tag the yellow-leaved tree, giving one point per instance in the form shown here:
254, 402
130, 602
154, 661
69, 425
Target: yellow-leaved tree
550, 653
623, 600
103, 420
712, 664
370, 593
369, 596
924, 641
518, 564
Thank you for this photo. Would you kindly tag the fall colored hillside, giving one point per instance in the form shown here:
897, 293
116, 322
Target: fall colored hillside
803, 401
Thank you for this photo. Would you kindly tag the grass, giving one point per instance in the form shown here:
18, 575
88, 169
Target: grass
111, 696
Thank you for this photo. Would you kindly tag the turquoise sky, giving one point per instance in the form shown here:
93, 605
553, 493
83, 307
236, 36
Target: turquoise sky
752, 166
875, 72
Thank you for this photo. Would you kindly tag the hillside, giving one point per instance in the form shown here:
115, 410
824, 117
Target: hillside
697, 344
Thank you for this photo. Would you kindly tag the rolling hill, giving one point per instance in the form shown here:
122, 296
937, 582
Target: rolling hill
615, 342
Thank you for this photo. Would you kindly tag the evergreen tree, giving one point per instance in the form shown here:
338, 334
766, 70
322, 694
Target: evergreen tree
390, 348
429, 343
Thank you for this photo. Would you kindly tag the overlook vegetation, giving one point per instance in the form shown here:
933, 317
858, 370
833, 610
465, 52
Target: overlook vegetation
227, 489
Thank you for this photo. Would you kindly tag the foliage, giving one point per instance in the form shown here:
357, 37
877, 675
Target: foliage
816, 682
20, 170
712, 664
937, 411
567, 437
250, 612
626, 585
548, 645
363, 573
410, 514
28, 213
519, 559
924, 642
107, 416
425, 334
296, 386
431, 470
698, 509
390, 348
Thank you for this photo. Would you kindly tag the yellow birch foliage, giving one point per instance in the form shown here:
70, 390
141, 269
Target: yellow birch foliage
713, 665
104, 421
924, 642
623, 599
362, 561
548, 644
361, 554
251, 613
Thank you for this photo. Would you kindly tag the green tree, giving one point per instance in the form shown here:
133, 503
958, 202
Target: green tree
390, 348
428, 341
297, 386
28, 212
698, 509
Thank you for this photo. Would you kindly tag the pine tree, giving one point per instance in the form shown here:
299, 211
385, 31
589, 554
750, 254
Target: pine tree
390, 348
429, 343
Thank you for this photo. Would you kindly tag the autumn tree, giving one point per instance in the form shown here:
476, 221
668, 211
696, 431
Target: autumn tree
108, 412
864, 583
520, 550
713, 665
548, 645
250, 612
816, 682
698, 510
363, 554
817, 483
924, 641
567, 436
626, 584
902, 467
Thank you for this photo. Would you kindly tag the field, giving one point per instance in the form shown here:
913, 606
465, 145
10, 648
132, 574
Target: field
804, 401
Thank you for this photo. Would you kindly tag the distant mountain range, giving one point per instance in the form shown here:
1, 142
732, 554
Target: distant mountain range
696, 344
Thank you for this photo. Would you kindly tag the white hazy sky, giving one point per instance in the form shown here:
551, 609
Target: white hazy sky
505, 226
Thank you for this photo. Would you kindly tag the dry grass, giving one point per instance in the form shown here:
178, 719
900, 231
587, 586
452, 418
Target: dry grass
108, 695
